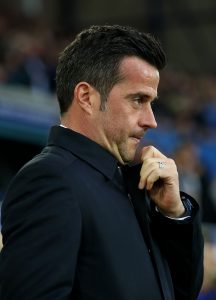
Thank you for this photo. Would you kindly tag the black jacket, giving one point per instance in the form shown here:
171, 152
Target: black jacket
72, 231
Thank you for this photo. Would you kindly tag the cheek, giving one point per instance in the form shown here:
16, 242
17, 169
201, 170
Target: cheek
121, 130
116, 127
119, 121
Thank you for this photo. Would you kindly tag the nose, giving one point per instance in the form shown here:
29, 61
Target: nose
147, 118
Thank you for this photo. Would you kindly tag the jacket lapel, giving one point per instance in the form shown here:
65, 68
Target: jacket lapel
142, 208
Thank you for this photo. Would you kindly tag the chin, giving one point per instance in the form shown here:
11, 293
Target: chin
129, 158
127, 152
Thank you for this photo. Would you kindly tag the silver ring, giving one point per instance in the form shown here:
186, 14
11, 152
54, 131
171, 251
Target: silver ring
161, 164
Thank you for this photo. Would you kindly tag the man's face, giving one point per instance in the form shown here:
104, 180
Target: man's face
128, 113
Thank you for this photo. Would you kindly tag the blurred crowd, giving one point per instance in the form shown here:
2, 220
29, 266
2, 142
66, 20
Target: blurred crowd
187, 131
29, 48
186, 109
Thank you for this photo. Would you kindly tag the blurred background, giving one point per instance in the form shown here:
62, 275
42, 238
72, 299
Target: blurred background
32, 34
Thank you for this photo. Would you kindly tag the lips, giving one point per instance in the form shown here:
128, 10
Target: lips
138, 136
136, 139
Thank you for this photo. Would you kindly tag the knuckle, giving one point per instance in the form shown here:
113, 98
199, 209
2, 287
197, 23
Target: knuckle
171, 161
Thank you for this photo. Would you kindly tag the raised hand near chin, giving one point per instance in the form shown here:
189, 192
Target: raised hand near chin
159, 176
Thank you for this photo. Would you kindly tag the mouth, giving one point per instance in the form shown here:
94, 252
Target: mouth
136, 139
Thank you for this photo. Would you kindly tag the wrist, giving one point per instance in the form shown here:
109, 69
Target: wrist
177, 212
188, 204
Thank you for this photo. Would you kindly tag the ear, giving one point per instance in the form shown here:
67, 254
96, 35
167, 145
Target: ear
84, 95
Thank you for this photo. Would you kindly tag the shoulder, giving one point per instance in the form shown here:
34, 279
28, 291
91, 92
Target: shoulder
42, 182
47, 170
51, 160
52, 156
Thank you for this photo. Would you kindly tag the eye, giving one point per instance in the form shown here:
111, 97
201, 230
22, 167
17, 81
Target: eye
138, 100
141, 102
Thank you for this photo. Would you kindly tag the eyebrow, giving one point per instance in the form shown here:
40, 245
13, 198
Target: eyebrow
140, 95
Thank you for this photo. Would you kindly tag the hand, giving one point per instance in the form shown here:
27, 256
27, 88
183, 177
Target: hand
160, 178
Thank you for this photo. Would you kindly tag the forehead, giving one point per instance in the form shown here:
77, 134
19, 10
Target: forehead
138, 76
135, 67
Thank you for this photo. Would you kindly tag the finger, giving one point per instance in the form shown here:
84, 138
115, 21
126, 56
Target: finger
149, 166
151, 152
151, 179
160, 168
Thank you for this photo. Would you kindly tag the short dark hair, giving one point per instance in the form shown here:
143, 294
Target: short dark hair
94, 56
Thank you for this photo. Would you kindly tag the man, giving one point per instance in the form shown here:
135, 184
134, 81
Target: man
79, 220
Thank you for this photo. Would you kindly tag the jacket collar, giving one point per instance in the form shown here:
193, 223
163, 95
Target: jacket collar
83, 148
